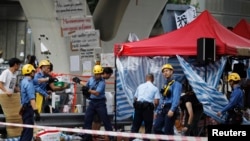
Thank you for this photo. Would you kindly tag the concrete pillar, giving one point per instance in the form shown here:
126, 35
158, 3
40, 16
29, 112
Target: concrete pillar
44, 25
107, 17
139, 18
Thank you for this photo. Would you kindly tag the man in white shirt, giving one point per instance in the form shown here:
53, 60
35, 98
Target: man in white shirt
8, 77
146, 98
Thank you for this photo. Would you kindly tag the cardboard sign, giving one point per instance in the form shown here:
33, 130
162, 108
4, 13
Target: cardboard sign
48, 135
69, 8
85, 39
11, 106
72, 25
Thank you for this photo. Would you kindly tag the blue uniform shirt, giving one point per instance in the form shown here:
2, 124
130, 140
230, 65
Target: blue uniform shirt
236, 99
98, 85
40, 87
147, 92
27, 90
174, 98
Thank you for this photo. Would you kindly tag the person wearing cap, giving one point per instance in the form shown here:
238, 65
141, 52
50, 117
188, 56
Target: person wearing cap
52, 78
51, 87
167, 110
27, 59
33, 61
28, 109
95, 86
41, 80
236, 101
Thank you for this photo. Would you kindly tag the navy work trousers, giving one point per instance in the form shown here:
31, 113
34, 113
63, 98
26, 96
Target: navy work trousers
99, 107
28, 118
164, 122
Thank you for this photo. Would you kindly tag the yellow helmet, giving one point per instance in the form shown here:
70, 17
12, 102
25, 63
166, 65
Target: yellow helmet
27, 69
97, 69
44, 63
167, 66
233, 76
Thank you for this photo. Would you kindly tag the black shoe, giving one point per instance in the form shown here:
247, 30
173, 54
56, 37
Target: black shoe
3, 133
86, 138
111, 138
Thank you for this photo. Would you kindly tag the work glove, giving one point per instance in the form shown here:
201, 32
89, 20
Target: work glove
76, 80
37, 115
85, 91
52, 79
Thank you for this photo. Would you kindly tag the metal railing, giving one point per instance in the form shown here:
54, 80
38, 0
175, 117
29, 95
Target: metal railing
70, 120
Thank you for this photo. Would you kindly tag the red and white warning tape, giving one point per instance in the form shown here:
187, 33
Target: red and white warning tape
112, 133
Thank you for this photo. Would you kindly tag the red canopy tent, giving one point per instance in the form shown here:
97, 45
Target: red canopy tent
242, 29
184, 41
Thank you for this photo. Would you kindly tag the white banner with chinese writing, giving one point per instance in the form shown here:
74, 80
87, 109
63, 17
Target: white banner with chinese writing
71, 25
188, 16
69, 8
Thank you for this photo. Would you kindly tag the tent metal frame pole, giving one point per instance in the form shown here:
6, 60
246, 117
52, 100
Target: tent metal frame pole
115, 96
206, 71
205, 118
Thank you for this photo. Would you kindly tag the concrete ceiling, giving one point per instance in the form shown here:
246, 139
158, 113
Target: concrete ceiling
11, 10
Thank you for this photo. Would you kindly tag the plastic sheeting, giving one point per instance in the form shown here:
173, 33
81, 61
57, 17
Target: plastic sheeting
131, 71
206, 91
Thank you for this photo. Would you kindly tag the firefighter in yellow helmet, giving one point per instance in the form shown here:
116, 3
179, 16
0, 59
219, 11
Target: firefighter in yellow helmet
95, 86
28, 102
236, 101
167, 66
167, 110
41, 80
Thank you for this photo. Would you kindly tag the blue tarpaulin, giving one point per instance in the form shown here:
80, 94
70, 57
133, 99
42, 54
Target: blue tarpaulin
131, 72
